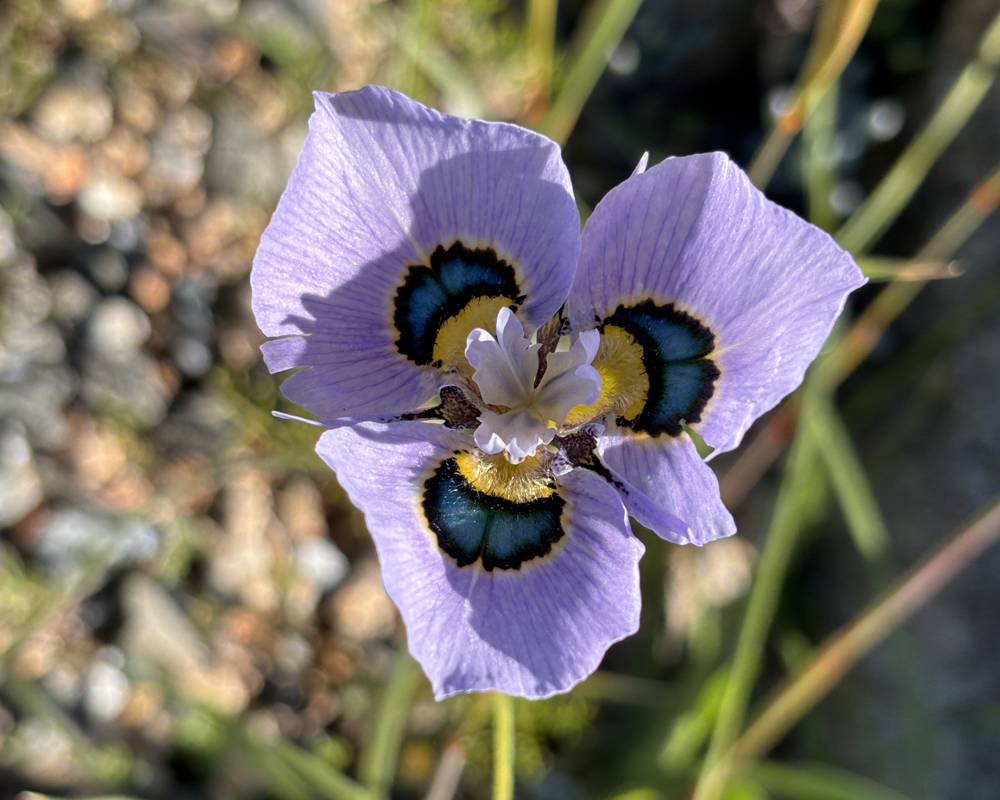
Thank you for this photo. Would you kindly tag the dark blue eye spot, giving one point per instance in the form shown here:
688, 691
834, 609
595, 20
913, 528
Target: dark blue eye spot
676, 349
472, 525
430, 296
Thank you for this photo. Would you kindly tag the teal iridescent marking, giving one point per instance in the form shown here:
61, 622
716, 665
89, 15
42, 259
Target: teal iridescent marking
472, 526
430, 296
675, 350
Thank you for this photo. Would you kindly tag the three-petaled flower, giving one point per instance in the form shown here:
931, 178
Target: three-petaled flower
407, 260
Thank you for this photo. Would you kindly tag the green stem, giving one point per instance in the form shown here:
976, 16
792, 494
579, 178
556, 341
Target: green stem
879, 211
378, 765
864, 334
789, 509
819, 782
842, 650
425, 53
820, 165
605, 24
503, 747
848, 477
327, 781
541, 43
891, 302
835, 40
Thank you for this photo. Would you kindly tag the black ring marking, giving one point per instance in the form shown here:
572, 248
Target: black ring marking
431, 295
675, 350
472, 526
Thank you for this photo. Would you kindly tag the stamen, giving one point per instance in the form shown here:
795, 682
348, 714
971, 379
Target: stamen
529, 405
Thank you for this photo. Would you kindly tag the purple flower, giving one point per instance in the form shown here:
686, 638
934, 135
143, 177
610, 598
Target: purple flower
503, 391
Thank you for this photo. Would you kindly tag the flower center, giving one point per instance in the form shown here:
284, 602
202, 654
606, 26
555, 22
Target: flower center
530, 407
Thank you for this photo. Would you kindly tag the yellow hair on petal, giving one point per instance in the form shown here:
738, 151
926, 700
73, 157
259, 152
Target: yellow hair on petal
495, 475
449, 345
624, 382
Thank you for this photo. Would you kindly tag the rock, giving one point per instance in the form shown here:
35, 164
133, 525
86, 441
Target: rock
192, 305
133, 387
72, 297
300, 508
158, 631
243, 163
69, 111
361, 609
68, 539
110, 197
8, 240
106, 691
192, 357
35, 396
66, 173
20, 483
321, 561
150, 289
118, 329
244, 561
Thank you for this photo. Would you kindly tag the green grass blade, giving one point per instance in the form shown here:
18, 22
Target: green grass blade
378, 761
541, 39
691, 729
848, 478
908, 269
40, 796
819, 782
820, 165
322, 778
605, 23
281, 777
448, 75
792, 508
883, 206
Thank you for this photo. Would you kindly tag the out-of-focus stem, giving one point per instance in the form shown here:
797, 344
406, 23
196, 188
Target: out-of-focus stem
448, 774
819, 162
780, 542
615, 687
908, 269
869, 328
845, 648
503, 747
541, 41
758, 455
604, 26
838, 34
865, 333
378, 766
301, 765
847, 476
894, 191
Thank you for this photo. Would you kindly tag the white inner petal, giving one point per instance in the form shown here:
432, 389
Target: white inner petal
505, 370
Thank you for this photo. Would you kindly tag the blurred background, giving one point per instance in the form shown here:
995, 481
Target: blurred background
189, 606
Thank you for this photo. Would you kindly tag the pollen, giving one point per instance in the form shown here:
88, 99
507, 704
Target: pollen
494, 475
480, 312
624, 382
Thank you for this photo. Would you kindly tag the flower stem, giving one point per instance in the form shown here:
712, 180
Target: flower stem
791, 506
503, 747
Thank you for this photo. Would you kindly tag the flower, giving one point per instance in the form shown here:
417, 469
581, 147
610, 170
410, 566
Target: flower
424, 269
